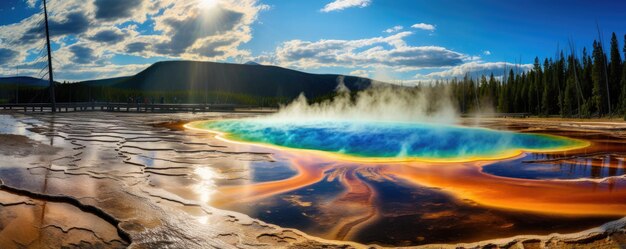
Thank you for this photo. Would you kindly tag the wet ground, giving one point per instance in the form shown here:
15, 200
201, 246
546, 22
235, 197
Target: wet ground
110, 180
414, 203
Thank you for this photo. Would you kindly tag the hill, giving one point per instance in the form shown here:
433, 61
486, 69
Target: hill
105, 82
246, 79
23, 81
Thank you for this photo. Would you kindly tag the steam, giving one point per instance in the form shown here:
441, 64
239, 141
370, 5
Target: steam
380, 102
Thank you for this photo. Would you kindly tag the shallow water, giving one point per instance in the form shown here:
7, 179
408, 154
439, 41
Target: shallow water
389, 140
416, 201
104, 180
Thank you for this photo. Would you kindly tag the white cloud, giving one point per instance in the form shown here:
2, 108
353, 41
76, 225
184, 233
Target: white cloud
360, 73
424, 26
121, 10
31, 3
477, 68
76, 72
344, 4
390, 51
100, 29
487, 52
393, 29
7, 55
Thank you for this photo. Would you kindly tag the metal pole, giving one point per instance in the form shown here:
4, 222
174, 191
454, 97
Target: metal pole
17, 91
50, 74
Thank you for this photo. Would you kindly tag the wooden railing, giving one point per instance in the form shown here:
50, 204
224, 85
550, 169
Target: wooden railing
123, 107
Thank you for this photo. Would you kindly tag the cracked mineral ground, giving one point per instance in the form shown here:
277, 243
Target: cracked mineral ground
117, 180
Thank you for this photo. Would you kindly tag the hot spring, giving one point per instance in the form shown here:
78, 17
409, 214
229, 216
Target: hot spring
407, 183
388, 141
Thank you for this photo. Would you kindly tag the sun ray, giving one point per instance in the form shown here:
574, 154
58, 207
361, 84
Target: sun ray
207, 4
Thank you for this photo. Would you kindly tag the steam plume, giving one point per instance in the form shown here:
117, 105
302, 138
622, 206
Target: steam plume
380, 102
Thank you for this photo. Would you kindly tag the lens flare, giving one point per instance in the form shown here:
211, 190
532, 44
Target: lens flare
207, 4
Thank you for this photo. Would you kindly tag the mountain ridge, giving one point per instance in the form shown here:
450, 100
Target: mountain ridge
23, 81
250, 79
199, 81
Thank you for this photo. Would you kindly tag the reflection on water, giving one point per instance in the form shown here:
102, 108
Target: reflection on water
411, 203
605, 159
300, 208
31, 216
13, 125
550, 167
206, 188
271, 171
412, 215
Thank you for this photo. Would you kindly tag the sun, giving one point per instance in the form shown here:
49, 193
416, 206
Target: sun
207, 4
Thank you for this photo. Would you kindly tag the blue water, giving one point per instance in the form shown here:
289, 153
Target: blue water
387, 139
581, 168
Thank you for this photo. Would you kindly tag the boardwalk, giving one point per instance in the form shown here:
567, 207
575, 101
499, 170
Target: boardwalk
497, 115
125, 107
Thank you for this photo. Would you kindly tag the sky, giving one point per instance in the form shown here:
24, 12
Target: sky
399, 41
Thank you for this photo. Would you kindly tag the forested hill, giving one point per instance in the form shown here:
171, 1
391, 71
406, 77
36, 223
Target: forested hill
587, 84
247, 79
105, 82
24, 81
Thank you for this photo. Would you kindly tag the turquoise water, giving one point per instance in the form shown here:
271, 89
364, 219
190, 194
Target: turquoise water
388, 140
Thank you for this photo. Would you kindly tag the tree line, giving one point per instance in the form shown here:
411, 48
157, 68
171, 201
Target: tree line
592, 85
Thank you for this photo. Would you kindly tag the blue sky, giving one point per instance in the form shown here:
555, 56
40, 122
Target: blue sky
396, 41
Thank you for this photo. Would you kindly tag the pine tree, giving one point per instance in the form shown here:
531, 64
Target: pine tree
533, 93
623, 81
569, 98
560, 81
502, 98
547, 98
569, 95
599, 91
493, 90
524, 92
483, 87
586, 81
512, 101
615, 72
